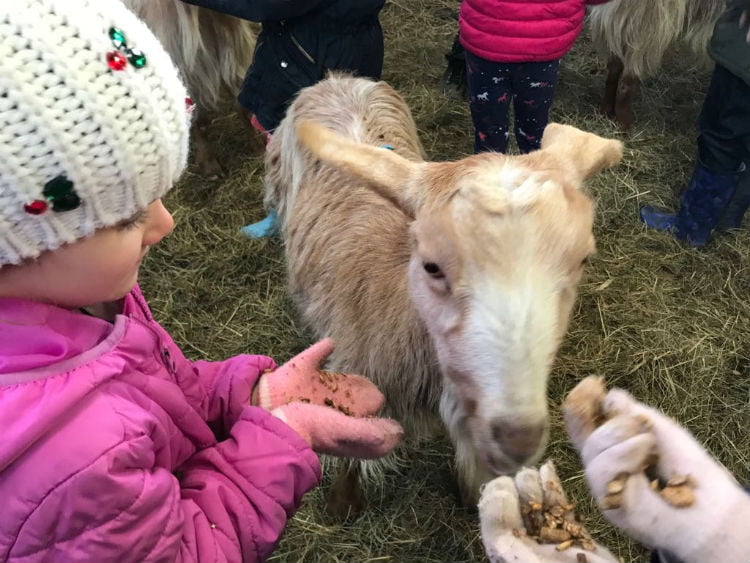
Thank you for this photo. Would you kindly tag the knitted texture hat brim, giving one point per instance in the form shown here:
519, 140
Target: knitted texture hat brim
118, 133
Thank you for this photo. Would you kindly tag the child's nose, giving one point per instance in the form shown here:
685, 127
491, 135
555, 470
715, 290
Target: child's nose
160, 223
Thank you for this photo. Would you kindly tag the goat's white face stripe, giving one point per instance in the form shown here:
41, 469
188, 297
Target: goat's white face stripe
509, 341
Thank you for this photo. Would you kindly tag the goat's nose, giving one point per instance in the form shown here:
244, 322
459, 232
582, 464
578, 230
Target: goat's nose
519, 440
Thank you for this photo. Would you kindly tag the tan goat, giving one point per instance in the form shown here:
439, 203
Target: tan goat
448, 284
636, 34
212, 50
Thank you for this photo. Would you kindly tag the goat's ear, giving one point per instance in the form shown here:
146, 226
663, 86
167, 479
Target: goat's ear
584, 152
388, 172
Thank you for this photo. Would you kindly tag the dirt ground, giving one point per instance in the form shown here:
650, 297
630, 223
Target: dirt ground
670, 324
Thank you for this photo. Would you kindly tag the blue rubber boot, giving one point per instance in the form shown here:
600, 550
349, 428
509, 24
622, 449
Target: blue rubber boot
657, 219
263, 228
702, 205
738, 205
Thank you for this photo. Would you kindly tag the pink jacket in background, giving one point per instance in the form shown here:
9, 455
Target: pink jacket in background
513, 31
106, 453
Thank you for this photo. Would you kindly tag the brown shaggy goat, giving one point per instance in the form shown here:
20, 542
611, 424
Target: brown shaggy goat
636, 33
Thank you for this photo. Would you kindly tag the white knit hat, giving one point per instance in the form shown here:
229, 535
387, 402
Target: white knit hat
93, 121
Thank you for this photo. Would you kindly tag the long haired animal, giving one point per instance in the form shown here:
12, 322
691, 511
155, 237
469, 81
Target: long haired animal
448, 284
636, 34
212, 52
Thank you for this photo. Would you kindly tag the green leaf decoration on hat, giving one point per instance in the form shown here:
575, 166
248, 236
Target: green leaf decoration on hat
61, 194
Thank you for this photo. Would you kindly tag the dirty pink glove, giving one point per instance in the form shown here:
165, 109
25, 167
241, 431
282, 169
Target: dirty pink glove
507, 532
327, 409
711, 527
301, 380
330, 431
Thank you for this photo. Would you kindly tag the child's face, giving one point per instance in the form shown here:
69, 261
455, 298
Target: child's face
100, 268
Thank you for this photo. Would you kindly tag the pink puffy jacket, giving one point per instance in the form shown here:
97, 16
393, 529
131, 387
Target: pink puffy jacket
109, 449
513, 31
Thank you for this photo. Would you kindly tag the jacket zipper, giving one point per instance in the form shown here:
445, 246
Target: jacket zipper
301, 48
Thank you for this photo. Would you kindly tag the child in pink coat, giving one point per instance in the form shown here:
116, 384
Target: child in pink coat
513, 51
114, 446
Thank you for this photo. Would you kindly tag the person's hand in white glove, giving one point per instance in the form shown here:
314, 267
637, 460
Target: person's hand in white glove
711, 523
510, 525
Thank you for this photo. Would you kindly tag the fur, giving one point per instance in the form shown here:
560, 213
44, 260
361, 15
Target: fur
508, 234
639, 32
635, 35
212, 50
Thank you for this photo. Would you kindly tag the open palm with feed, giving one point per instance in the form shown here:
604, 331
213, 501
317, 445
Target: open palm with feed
334, 412
529, 520
653, 480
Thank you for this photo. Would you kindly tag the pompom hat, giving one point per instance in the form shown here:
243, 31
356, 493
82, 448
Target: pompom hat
93, 121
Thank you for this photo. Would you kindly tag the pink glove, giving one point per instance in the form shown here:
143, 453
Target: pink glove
713, 527
327, 409
503, 507
329, 431
300, 380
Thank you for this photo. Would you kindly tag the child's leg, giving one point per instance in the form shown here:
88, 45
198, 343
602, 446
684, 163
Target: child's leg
267, 226
724, 141
454, 78
724, 123
711, 198
534, 85
490, 92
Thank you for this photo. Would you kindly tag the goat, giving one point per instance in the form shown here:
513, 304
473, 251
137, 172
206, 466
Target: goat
635, 34
447, 284
212, 51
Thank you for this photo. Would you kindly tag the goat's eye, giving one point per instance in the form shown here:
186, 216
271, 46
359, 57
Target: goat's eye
433, 269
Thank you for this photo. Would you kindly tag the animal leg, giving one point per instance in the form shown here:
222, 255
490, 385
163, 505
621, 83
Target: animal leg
345, 497
614, 72
204, 154
626, 92
257, 140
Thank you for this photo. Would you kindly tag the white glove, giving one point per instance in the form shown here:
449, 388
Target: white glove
504, 532
714, 528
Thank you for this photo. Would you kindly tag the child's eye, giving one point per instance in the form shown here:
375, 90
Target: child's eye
136, 221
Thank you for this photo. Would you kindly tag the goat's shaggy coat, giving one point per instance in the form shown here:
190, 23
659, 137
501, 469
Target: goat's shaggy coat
212, 51
637, 33
448, 284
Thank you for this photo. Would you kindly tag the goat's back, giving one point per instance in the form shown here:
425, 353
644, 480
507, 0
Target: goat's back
347, 248
639, 32
211, 50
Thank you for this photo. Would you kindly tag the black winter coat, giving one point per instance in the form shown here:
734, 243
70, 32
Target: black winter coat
729, 46
300, 41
